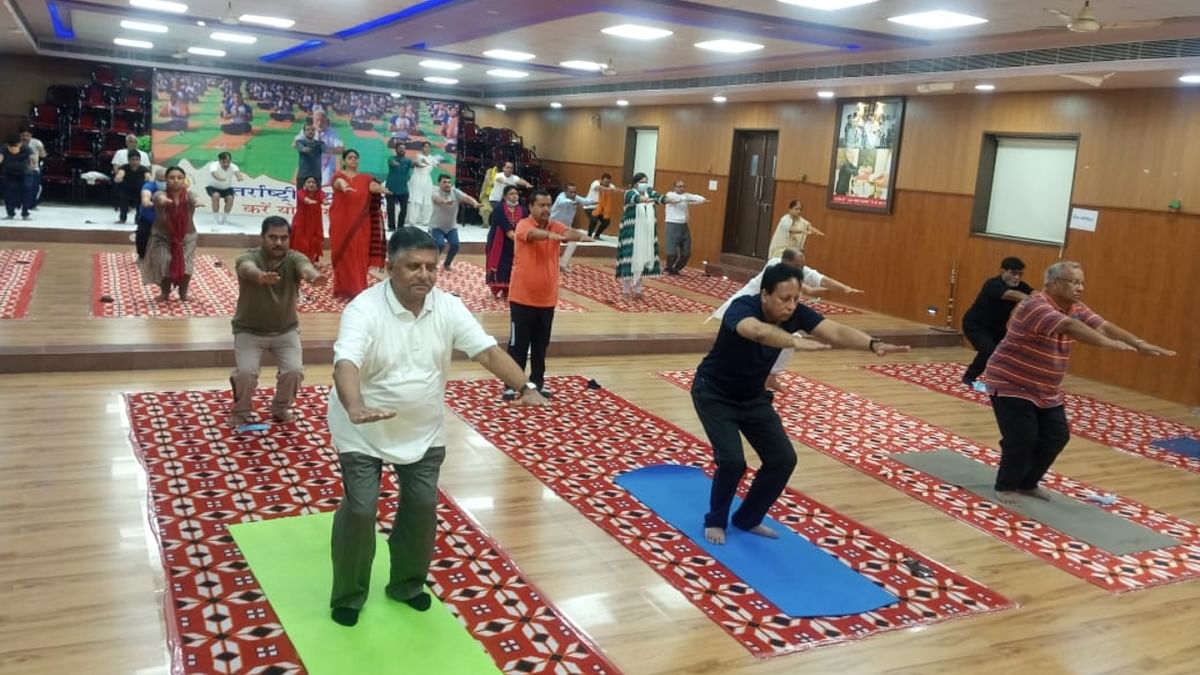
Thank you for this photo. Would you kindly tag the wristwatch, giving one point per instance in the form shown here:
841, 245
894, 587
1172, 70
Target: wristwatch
872, 343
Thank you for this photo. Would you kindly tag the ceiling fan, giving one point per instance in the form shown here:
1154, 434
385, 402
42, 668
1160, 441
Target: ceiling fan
608, 70
1085, 21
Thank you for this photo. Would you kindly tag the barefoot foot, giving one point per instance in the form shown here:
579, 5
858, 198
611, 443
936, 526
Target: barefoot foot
714, 535
1006, 497
763, 531
1036, 493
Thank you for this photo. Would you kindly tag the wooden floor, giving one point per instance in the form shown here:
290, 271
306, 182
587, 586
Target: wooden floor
81, 586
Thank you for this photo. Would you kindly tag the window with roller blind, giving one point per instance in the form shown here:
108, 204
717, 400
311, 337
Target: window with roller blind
1023, 190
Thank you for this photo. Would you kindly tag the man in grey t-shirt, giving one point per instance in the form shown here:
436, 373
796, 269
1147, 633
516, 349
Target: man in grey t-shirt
443, 226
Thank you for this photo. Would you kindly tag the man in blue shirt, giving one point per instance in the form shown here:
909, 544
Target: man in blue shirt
730, 395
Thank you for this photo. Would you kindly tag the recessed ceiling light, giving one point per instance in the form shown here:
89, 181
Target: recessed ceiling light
201, 24
635, 32
160, 5
985, 87
501, 106
272, 21
240, 38
827, 5
434, 79
622, 102
937, 19
508, 55
140, 44
582, 65
506, 73
825, 94
1190, 79
555, 104
396, 94
205, 51
380, 72
143, 26
729, 46
434, 64
719, 99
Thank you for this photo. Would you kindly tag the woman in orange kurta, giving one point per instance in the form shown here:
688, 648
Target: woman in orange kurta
308, 226
350, 226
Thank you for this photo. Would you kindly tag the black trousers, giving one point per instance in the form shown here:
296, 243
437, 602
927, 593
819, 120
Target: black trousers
984, 341
529, 333
597, 226
128, 200
723, 418
142, 238
392, 200
1030, 440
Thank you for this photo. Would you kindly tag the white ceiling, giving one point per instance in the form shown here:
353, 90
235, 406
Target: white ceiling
1012, 25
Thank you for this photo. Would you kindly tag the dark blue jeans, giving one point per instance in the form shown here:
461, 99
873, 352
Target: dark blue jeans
723, 418
441, 238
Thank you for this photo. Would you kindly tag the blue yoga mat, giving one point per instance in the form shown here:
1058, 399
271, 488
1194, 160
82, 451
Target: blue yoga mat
798, 577
1180, 445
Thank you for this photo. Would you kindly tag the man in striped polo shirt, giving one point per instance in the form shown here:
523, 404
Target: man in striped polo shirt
1025, 374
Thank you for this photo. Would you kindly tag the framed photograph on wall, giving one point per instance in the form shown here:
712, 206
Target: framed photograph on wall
866, 150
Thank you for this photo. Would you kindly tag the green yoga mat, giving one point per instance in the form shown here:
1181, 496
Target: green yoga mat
290, 559
1073, 518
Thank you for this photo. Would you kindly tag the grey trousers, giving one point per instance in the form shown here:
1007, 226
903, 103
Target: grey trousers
679, 246
411, 542
248, 350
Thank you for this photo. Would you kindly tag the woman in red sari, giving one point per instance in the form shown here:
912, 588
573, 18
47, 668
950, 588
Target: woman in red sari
500, 241
350, 226
308, 226
172, 245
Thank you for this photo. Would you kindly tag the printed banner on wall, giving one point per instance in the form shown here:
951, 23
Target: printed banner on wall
866, 145
259, 122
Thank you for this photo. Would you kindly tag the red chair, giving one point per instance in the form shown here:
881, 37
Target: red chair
140, 80
81, 146
130, 101
121, 124
104, 76
62, 95
88, 121
113, 140
44, 117
470, 132
94, 97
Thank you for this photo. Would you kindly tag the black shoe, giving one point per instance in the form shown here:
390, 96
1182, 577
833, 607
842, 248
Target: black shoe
509, 395
969, 381
345, 616
546, 392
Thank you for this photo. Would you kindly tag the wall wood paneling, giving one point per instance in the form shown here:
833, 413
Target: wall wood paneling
1138, 151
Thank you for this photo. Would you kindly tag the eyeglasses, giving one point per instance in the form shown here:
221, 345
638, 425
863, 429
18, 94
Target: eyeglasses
1073, 282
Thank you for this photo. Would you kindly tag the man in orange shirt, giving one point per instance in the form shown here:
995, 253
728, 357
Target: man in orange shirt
533, 289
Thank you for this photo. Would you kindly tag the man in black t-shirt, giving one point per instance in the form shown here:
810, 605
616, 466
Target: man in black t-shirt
985, 323
730, 395
129, 180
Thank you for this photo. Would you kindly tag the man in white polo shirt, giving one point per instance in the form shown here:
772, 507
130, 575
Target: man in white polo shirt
391, 361
221, 175
503, 180
679, 236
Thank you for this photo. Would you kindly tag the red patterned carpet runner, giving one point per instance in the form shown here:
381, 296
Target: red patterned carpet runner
587, 438
863, 434
722, 288
602, 286
203, 476
118, 291
1112, 425
466, 280
18, 275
